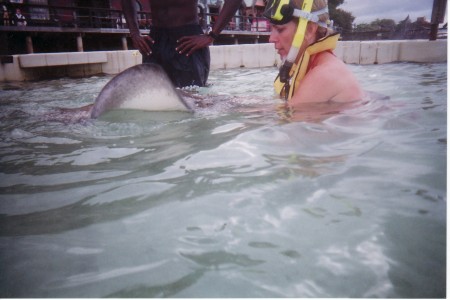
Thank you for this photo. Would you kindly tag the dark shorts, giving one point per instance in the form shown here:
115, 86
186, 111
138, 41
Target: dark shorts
182, 70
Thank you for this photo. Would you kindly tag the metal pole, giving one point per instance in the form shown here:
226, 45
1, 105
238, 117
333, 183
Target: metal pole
124, 43
437, 16
29, 43
80, 43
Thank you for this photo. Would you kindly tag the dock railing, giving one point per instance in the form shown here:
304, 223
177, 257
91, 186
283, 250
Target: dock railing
91, 17
84, 25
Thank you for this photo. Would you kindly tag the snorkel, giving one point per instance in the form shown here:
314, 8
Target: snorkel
281, 12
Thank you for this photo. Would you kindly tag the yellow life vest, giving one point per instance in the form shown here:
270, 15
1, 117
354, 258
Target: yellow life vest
298, 70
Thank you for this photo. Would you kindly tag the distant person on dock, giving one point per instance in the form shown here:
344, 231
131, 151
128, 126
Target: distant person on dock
310, 71
5, 15
177, 41
19, 19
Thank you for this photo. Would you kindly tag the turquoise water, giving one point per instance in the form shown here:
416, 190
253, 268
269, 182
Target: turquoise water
233, 201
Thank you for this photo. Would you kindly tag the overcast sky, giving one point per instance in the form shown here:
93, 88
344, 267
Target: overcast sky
366, 11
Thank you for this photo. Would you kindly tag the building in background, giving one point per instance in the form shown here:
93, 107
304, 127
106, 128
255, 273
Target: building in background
93, 25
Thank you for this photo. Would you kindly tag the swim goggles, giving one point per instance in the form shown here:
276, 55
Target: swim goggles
280, 12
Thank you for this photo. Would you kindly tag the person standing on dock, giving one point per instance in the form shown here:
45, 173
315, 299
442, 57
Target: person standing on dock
5, 15
177, 41
19, 19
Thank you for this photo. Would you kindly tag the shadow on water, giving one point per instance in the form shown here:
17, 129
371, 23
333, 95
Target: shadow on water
417, 268
159, 291
178, 182
69, 217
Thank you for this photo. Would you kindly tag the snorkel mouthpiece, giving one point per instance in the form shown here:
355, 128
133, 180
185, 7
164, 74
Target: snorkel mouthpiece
284, 71
284, 75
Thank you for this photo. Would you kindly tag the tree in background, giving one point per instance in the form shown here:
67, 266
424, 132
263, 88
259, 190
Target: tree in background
342, 19
378, 24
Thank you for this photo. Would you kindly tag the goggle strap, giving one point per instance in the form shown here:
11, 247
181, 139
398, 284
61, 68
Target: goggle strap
312, 16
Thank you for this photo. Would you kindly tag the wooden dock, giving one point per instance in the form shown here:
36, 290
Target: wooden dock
40, 39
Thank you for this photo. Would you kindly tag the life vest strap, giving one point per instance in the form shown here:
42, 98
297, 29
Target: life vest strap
299, 69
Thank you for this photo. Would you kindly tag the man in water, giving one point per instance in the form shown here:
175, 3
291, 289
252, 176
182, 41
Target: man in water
177, 41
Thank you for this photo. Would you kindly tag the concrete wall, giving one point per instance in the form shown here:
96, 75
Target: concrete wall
82, 64
381, 52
